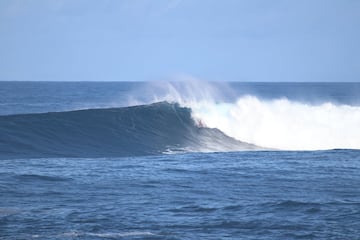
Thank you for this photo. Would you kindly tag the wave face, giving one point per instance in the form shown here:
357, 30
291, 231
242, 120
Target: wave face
113, 132
283, 124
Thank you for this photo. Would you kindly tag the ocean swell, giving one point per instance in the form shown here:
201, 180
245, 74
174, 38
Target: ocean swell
114, 132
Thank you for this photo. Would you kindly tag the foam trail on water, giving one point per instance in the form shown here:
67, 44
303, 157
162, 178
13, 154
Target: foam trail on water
284, 124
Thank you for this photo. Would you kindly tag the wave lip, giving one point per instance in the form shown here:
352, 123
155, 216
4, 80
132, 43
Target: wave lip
112, 132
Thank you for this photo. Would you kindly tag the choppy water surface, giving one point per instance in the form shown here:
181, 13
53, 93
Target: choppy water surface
240, 195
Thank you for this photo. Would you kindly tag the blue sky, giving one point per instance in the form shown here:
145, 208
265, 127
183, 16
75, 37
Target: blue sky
141, 40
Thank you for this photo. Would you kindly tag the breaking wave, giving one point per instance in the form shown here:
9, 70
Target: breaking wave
320, 122
114, 132
187, 117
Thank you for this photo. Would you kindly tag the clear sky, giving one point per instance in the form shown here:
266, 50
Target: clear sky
141, 40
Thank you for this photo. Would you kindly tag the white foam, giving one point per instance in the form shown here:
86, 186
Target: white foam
283, 124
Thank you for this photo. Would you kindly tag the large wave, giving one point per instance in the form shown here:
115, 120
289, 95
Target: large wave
114, 132
277, 123
188, 117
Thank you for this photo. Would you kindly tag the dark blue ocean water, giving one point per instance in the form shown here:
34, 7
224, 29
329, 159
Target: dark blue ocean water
105, 173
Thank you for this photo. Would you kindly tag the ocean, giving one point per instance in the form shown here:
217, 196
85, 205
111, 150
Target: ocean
179, 160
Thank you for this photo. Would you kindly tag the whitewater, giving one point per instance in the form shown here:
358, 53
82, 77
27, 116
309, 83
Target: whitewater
310, 122
283, 124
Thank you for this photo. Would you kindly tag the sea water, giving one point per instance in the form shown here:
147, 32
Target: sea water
62, 178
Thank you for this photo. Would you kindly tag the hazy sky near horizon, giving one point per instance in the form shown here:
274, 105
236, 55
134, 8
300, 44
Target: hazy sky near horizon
141, 40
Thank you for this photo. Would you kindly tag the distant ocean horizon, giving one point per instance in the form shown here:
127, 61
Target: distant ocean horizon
179, 160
